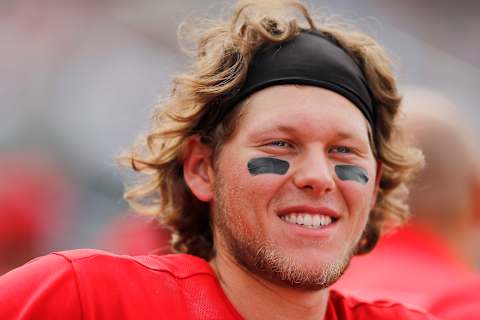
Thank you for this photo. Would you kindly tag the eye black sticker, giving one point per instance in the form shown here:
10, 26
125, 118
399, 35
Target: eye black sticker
353, 173
267, 165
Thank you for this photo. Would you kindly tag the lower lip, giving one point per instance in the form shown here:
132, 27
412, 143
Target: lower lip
302, 231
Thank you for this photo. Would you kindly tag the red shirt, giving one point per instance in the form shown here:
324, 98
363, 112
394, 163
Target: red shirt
92, 284
411, 265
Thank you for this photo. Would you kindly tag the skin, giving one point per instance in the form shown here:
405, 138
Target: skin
313, 129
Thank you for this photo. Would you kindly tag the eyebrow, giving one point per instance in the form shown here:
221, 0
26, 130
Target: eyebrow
293, 130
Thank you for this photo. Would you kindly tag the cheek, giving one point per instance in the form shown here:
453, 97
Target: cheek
259, 190
358, 197
241, 187
357, 183
248, 195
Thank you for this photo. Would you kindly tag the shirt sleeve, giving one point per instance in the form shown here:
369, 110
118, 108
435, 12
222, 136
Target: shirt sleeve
44, 288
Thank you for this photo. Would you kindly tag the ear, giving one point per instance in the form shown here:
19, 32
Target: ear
198, 170
378, 178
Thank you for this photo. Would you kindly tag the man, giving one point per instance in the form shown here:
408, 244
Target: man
438, 249
273, 161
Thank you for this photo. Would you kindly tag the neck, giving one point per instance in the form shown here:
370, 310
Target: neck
256, 298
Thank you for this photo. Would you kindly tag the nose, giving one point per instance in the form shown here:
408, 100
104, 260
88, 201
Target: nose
314, 173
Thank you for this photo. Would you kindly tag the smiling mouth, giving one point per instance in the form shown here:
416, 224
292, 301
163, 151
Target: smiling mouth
311, 221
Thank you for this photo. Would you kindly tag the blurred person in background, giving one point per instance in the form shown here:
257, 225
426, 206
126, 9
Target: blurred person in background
68, 65
273, 160
438, 249
134, 235
461, 302
34, 204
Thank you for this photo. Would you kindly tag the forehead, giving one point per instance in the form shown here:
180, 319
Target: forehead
304, 109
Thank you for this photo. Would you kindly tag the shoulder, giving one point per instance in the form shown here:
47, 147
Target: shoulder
94, 271
349, 307
93, 281
43, 285
176, 265
93, 262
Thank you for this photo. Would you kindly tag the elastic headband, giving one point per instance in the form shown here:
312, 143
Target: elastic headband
311, 58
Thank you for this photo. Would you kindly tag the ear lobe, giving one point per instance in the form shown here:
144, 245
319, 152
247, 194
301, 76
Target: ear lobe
378, 178
198, 170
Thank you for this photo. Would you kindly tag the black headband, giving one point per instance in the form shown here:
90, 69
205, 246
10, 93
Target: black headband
311, 58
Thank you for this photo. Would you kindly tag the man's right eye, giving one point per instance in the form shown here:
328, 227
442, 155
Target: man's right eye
279, 143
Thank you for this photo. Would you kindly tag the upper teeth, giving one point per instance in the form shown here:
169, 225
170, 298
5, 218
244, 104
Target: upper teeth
308, 220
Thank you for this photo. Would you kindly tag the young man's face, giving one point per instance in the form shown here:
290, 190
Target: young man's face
294, 186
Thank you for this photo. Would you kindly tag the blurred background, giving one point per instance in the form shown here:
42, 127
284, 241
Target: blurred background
78, 79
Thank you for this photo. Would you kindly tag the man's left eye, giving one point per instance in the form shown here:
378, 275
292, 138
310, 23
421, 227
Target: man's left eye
342, 149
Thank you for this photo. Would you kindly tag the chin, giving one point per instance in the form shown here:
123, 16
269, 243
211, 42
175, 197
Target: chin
307, 276
287, 270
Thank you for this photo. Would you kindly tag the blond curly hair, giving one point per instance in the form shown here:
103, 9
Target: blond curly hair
223, 53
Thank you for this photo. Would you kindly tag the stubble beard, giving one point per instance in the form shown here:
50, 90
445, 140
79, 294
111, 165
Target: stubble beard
267, 260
